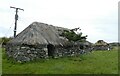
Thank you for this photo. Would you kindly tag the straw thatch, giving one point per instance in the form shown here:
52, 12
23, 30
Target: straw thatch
40, 33
101, 42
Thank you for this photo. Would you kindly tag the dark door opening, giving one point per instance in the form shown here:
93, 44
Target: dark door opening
51, 49
81, 46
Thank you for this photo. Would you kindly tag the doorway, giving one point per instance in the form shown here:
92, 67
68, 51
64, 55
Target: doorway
51, 50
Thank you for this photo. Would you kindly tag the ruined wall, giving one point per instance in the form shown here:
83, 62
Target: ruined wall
27, 53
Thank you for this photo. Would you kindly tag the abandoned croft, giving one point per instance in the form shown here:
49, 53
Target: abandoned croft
40, 40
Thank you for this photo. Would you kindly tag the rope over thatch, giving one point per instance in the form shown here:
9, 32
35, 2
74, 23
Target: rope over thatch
40, 33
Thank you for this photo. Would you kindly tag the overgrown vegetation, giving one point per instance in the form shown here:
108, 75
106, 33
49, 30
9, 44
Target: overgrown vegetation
4, 40
97, 62
73, 36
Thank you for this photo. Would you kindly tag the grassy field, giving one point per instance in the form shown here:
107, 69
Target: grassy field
97, 62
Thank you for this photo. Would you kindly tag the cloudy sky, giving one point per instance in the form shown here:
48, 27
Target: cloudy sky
97, 18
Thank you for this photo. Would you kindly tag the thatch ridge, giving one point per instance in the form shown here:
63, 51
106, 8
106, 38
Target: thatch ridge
40, 33
101, 42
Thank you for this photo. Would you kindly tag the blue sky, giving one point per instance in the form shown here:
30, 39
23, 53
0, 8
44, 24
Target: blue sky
97, 18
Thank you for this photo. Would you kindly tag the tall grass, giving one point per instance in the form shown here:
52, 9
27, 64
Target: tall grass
97, 62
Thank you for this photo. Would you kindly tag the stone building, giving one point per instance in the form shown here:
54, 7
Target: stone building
101, 45
40, 40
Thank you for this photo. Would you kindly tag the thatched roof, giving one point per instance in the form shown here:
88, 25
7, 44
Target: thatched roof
101, 42
40, 33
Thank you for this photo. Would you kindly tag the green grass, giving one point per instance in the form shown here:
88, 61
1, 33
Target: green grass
97, 62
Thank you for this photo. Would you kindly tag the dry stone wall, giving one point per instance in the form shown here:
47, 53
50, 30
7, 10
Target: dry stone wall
102, 48
69, 51
27, 53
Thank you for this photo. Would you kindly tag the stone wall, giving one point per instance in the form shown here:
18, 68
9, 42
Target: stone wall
66, 51
102, 48
28, 53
